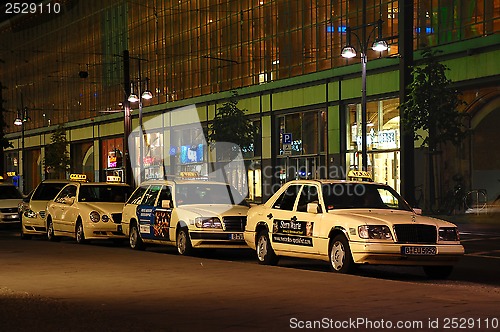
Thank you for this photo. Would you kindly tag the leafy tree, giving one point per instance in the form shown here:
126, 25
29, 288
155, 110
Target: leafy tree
432, 104
230, 125
431, 111
230, 133
57, 161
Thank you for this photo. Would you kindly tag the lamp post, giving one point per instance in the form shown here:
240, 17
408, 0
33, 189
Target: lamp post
350, 52
139, 91
22, 117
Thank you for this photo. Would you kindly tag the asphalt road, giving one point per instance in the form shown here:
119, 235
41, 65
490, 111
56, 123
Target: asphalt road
63, 286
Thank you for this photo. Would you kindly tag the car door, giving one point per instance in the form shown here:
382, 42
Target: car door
282, 217
146, 212
62, 209
308, 224
162, 229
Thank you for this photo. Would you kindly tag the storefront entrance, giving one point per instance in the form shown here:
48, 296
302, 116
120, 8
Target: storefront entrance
385, 168
301, 167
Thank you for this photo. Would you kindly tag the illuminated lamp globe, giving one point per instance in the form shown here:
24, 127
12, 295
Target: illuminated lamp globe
147, 95
379, 45
348, 52
133, 98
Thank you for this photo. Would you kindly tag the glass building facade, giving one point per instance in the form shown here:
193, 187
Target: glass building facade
194, 48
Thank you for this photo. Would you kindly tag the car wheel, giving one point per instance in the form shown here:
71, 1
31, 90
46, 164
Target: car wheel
184, 246
135, 239
24, 236
438, 272
79, 233
265, 252
340, 255
50, 231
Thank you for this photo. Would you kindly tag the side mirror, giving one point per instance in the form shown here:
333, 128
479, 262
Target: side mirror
417, 211
166, 204
313, 208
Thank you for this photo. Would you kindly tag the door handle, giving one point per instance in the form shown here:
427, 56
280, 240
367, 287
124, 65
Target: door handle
270, 216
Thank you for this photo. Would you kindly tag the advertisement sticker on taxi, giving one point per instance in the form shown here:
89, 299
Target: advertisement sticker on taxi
293, 232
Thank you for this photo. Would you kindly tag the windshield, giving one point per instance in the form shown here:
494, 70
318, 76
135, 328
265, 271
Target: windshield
209, 193
358, 195
10, 192
103, 193
47, 191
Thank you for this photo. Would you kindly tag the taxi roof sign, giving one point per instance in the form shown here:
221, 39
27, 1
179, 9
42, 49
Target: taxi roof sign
189, 174
362, 175
78, 177
113, 178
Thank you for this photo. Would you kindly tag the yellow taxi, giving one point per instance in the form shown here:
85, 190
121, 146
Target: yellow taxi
185, 213
87, 210
349, 223
33, 211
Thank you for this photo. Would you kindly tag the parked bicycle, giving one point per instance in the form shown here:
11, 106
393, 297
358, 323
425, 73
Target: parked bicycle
476, 201
453, 201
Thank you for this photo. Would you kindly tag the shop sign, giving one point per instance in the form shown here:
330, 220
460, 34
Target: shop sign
387, 139
114, 159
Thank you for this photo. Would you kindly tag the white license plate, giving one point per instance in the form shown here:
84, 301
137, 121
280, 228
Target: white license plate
236, 236
418, 251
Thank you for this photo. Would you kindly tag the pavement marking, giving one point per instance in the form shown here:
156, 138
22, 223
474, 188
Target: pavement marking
483, 256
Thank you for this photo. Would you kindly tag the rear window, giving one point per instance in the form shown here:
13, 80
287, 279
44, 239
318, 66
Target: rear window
10, 192
47, 191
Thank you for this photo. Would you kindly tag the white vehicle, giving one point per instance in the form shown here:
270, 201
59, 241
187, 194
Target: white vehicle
187, 214
348, 223
10, 198
87, 211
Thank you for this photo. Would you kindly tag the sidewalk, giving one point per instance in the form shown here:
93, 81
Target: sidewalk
469, 222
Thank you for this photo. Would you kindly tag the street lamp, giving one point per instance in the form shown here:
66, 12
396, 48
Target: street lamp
139, 91
22, 117
349, 51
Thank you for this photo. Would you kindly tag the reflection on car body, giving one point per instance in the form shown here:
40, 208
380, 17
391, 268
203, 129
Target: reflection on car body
185, 213
349, 223
87, 211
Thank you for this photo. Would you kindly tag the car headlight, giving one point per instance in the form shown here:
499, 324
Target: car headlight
374, 232
95, 216
207, 222
105, 218
29, 213
448, 234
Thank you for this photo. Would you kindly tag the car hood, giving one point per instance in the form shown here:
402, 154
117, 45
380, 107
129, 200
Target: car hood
108, 207
389, 217
215, 209
10, 203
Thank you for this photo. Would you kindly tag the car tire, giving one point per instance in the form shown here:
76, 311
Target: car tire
264, 250
438, 272
50, 232
24, 236
79, 233
340, 255
183, 242
135, 239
